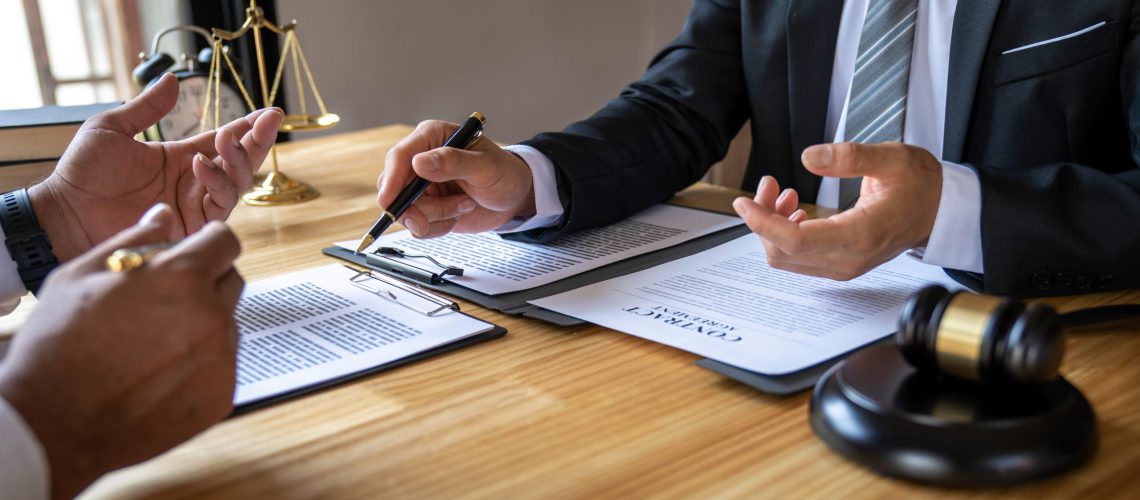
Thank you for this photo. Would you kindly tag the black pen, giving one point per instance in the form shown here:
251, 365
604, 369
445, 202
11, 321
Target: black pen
463, 138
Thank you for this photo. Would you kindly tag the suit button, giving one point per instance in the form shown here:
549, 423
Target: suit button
1042, 279
1085, 281
1105, 281
1063, 280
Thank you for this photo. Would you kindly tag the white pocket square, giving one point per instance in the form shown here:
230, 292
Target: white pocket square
1057, 39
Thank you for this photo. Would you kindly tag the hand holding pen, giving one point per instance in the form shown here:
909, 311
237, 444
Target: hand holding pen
473, 190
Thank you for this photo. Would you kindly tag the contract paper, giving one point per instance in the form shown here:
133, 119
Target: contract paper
495, 266
728, 304
312, 326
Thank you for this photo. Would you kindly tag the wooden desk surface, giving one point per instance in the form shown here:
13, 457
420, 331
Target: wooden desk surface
548, 411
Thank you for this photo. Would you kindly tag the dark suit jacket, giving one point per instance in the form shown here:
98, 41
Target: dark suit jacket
1051, 131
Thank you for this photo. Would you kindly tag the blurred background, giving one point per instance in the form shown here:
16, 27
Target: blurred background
530, 65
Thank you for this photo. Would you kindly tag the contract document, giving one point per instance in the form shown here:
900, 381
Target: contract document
495, 266
728, 304
313, 326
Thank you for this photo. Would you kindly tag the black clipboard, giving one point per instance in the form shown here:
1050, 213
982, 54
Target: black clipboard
494, 333
515, 303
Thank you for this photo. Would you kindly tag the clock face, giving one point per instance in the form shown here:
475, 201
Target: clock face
183, 121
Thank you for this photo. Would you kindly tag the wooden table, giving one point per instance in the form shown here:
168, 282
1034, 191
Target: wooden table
548, 411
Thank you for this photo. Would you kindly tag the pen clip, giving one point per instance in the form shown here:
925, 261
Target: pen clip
435, 277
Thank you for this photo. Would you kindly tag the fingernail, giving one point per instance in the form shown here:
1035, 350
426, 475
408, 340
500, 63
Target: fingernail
741, 205
818, 156
208, 162
234, 139
797, 214
153, 213
764, 181
414, 225
783, 195
466, 205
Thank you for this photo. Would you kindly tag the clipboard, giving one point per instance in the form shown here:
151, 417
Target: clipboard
405, 295
515, 303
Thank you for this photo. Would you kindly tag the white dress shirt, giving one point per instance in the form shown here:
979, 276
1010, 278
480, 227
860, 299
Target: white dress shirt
23, 464
956, 239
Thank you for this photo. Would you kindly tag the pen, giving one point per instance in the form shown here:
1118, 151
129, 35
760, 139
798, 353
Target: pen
127, 259
464, 138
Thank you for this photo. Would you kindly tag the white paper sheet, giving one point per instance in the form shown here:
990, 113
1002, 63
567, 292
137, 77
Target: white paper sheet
495, 266
727, 304
312, 326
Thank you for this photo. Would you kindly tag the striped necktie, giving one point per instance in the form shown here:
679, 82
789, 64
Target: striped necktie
877, 108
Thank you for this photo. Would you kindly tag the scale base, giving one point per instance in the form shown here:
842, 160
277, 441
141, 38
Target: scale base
278, 189
876, 410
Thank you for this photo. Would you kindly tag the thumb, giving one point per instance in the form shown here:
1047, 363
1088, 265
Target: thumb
452, 164
849, 159
141, 112
155, 226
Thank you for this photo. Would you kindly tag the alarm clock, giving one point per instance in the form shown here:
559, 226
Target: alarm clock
185, 119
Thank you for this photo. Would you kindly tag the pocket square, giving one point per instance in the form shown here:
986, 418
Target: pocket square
1056, 39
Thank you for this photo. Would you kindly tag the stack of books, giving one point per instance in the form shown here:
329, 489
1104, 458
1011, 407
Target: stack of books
33, 140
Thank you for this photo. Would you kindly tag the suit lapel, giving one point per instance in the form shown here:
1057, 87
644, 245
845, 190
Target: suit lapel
813, 27
973, 24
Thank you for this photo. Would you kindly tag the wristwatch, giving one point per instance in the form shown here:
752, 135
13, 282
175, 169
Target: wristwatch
26, 241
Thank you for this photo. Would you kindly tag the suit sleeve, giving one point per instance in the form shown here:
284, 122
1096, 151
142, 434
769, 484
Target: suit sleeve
660, 135
1065, 228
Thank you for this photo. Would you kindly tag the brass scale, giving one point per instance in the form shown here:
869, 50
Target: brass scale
275, 188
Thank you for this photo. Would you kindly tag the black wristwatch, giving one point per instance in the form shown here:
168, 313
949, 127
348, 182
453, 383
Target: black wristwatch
25, 239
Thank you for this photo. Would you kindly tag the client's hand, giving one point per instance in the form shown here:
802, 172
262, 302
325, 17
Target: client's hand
107, 179
898, 202
473, 190
112, 369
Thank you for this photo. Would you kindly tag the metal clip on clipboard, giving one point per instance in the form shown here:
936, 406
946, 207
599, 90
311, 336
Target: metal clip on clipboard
407, 295
388, 259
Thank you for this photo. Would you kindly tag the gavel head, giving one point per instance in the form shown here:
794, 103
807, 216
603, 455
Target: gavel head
985, 339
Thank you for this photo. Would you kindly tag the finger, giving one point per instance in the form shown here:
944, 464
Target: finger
229, 288
766, 192
475, 168
204, 142
439, 228
221, 194
415, 221
437, 208
787, 202
849, 160
144, 110
806, 238
798, 216
261, 138
398, 164
211, 251
155, 226
236, 161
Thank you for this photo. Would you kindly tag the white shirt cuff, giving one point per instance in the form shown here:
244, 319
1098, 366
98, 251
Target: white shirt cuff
548, 207
956, 239
23, 464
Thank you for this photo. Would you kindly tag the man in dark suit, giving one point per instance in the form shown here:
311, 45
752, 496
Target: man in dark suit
995, 138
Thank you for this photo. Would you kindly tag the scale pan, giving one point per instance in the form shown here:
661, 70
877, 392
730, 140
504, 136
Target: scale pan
300, 123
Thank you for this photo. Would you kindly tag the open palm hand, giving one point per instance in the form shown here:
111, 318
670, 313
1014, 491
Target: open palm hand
107, 179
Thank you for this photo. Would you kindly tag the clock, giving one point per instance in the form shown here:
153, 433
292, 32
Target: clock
185, 119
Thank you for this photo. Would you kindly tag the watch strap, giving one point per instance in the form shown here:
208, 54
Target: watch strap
26, 241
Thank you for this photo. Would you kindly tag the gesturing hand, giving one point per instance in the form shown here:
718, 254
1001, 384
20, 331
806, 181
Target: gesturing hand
473, 190
107, 179
898, 202
114, 368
